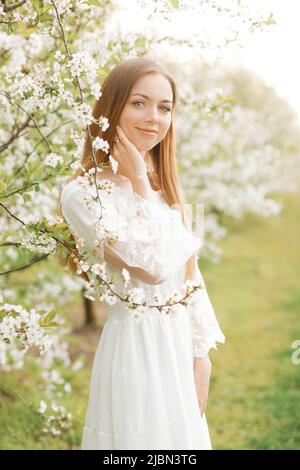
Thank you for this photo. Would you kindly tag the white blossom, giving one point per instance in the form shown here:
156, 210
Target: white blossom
82, 64
103, 121
99, 143
114, 164
23, 328
95, 90
52, 159
42, 407
83, 114
126, 276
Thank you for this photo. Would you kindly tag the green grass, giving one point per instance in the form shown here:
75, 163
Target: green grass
20, 393
254, 395
254, 400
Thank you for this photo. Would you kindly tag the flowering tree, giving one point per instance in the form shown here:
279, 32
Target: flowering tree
245, 146
53, 58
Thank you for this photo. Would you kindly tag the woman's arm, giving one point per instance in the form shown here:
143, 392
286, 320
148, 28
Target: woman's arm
141, 186
137, 273
202, 373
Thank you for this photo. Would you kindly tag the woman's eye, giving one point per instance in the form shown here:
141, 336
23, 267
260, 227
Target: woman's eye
165, 107
136, 102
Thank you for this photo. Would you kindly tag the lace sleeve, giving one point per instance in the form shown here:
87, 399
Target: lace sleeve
206, 331
148, 237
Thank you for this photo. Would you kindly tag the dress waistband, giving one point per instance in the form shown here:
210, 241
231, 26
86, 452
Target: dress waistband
118, 311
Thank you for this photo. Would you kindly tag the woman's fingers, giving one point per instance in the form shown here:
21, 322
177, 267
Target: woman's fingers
119, 144
132, 160
121, 135
115, 152
202, 407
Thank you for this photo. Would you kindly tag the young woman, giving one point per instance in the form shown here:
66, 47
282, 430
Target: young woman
150, 379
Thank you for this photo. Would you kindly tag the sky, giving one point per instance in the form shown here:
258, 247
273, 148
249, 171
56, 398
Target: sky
273, 55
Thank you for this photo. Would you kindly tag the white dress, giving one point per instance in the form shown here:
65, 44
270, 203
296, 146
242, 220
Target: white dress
142, 389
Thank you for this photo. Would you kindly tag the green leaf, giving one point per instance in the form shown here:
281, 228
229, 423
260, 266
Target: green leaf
270, 20
24, 30
47, 319
53, 323
174, 3
140, 42
3, 186
27, 197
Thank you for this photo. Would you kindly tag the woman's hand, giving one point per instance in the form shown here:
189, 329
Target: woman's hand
202, 373
130, 162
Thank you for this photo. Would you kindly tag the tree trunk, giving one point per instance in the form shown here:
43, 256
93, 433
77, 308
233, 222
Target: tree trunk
89, 315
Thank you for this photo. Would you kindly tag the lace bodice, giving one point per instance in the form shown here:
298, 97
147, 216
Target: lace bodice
152, 243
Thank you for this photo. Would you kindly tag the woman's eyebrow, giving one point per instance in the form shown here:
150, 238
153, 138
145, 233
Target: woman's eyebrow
147, 97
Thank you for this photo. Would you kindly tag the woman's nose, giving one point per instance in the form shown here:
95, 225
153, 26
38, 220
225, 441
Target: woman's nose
152, 115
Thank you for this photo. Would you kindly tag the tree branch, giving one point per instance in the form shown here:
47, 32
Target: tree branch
19, 268
15, 135
8, 8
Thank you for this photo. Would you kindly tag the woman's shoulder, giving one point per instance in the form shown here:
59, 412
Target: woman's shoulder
78, 188
120, 180
67, 186
68, 189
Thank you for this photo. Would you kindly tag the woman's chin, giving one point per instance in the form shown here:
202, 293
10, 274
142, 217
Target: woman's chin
143, 147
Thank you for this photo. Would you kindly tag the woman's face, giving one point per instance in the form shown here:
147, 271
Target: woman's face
153, 112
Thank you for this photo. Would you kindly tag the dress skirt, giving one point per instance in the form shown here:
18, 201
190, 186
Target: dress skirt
142, 389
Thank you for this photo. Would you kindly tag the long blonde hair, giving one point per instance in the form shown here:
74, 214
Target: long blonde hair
115, 91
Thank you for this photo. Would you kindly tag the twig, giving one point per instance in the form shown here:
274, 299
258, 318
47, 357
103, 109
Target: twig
8, 8
15, 135
29, 115
19, 268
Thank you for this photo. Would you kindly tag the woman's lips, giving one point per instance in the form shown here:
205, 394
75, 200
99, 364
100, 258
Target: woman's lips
147, 132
